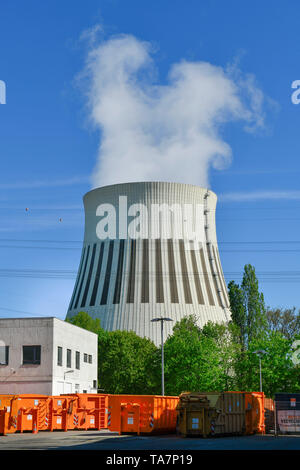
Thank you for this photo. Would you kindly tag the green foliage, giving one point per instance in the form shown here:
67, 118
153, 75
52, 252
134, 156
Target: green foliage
254, 304
129, 364
198, 359
279, 374
285, 321
84, 320
215, 357
247, 307
126, 363
238, 311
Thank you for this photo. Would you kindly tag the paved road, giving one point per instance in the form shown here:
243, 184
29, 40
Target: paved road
105, 440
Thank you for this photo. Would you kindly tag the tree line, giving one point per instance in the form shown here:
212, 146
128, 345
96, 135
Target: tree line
215, 357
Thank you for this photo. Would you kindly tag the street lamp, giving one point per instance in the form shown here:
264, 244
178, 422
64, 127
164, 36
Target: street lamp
260, 353
162, 320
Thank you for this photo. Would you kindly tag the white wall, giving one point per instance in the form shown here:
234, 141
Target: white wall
77, 339
47, 377
19, 378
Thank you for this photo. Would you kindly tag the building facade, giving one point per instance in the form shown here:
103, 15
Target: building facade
46, 356
150, 249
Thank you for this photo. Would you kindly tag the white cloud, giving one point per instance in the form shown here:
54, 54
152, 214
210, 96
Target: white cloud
169, 132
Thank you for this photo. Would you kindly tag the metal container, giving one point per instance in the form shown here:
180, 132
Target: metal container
141, 413
210, 414
254, 409
89, 411
287, 413
269, 415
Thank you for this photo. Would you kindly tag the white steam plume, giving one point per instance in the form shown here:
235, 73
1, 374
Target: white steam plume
169, 132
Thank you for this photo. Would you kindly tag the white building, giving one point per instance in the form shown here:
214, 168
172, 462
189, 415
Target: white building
150, 250
46, 356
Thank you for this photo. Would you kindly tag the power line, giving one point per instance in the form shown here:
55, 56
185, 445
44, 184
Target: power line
23, 312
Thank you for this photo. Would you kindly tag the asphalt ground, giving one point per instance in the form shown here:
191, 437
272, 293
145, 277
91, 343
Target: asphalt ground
106, 440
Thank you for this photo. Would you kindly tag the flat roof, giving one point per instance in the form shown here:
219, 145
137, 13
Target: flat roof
46, 318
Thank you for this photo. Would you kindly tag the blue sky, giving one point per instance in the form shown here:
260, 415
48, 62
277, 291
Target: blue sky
49, 148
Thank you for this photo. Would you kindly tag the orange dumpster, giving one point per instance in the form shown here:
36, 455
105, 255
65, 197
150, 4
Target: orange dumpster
5, 401
60, 415
21, 412
254, 410
91, 412
141, 413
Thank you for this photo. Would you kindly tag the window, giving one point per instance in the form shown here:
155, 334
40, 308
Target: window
90, 359
59, 356
94, 383
4, 353
31, 354
85, 357
77, 364
69, 361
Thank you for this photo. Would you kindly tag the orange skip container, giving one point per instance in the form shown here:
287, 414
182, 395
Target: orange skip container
141, 413
89, 411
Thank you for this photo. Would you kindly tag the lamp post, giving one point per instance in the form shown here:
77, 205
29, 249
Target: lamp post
260, 353
162, 320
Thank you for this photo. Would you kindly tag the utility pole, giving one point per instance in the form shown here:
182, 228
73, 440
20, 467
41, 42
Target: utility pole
260, 353
162, 320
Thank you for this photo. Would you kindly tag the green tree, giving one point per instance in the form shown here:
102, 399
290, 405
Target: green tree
247, 306
285, 321
129, 364
238, 310
279, 374
198, 359
84, 320
254, 304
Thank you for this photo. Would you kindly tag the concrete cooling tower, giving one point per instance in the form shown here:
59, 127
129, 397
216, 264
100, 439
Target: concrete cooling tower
150, 250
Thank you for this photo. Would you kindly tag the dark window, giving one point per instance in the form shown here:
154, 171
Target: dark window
206, 279
145, 272
94, 383
87, 286
31, 354
197, 278
185, 275
172, 273
59, 355
131, 279
85, 357
4, 354
117, 293
158, 272
84, 391
77, 364
69, 358
90, 359
97, 277
107, 274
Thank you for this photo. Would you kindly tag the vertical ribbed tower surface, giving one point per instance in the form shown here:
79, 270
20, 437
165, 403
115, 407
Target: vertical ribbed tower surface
150, 249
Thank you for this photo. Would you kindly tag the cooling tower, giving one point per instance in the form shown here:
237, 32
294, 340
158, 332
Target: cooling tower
150, 250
